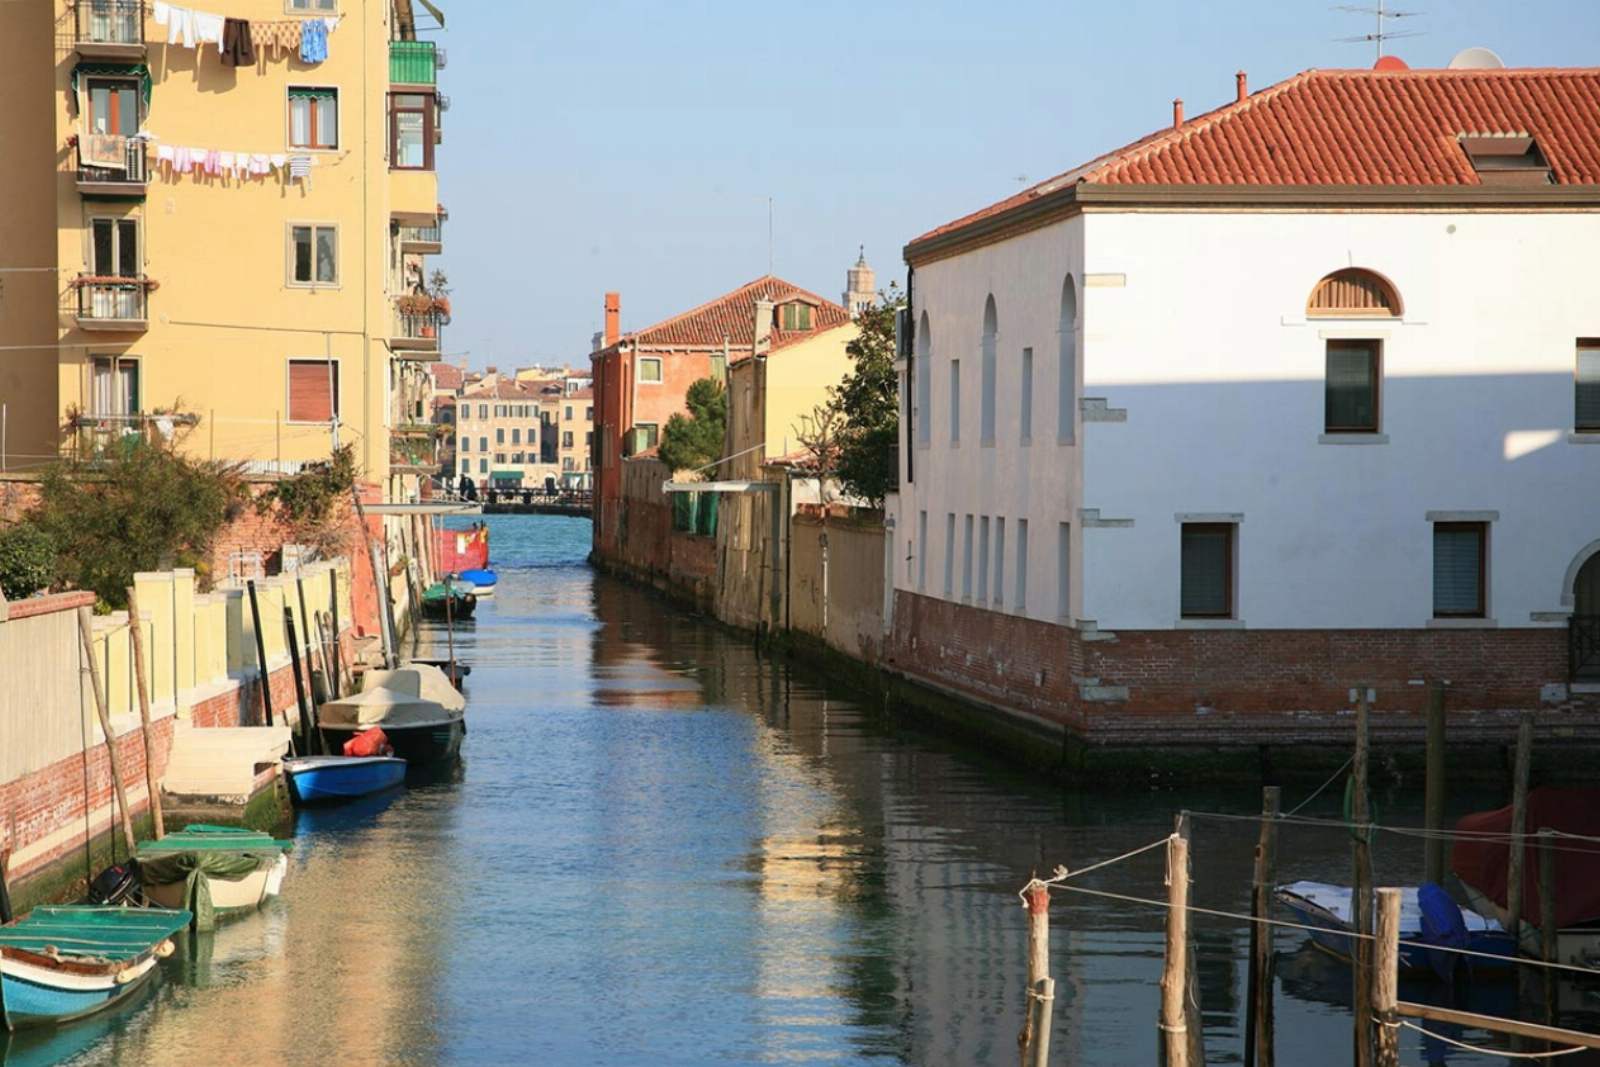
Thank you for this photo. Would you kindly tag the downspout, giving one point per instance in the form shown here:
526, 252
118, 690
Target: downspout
787, 500
910, 448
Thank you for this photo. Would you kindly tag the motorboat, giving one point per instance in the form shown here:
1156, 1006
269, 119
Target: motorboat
334, 779
212, 871
422, 731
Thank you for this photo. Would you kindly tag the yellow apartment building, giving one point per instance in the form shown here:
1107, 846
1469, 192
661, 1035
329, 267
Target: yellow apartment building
216, 227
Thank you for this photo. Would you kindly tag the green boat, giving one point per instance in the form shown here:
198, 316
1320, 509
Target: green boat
63, 963
213, 871
449, 599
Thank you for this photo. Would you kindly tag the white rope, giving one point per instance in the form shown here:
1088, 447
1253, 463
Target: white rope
1480, 1050
1061, 874
1318, 792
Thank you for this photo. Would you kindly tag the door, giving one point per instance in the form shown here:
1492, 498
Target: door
115, 254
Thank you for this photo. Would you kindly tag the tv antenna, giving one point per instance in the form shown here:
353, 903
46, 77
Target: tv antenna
1383, 32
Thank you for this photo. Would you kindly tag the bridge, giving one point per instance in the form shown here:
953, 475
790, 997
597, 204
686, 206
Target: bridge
577, 502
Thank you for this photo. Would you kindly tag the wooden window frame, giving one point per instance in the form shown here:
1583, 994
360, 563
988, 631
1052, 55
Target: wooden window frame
1585, 344
1374, 347
295, 283
306, 92
288, 389
1482, 530
1230, 606
427, 111
114, 364
661, 370
121, 81
116, 222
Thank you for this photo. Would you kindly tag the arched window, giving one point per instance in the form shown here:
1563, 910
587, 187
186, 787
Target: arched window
922, 371
1067, 390
1354, 293
991, 333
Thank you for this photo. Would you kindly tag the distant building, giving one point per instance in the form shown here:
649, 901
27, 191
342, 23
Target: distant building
861, 286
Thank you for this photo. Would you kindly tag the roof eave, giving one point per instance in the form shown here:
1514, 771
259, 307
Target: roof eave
1056, 204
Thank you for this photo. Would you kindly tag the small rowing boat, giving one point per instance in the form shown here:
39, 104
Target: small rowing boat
332, 779
63, 963
213, 871
483, 580
449, 599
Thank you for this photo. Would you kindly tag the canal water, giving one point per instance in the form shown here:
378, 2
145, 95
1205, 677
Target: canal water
663, 848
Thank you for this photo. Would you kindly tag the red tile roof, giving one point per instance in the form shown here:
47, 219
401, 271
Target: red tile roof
447, 375
503, 389
731, 317
1355, 128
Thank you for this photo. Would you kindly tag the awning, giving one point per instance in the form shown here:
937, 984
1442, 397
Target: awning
505, 476
718, 487
423, 507
434, 11
111, 70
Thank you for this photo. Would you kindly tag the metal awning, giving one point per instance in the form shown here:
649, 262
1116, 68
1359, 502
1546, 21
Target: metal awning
423, 507
718, 487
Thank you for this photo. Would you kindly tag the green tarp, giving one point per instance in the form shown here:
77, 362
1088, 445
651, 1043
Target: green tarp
195, 868
94, 932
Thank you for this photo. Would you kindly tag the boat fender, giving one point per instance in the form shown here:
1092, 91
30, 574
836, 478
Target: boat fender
166, 948
1442, 925
127, 975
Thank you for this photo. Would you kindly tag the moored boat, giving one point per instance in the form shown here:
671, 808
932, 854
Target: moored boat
483, 580
63, 963
449, 599
331, 779
213, 871
1426, 915
421, 731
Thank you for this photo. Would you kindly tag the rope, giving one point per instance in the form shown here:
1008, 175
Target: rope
1489, 1051
1410, 831
1285, 923
1331, 779
1061, 874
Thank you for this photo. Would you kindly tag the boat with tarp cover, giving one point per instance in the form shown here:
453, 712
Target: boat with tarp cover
422, 730
213, 871
63, 963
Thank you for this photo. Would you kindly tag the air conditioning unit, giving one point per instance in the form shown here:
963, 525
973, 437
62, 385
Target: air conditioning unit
443, 100
440, 59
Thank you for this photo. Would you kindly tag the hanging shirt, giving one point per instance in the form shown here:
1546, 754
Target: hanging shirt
207, 29
313, 41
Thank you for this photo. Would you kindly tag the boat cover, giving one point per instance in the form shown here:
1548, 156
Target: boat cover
1484, 863
1336, 899
93, 932
418, 679
389, 708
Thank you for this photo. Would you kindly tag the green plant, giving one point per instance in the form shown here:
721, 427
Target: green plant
696, 441
140, 506
27, 560
868, 399
311, 497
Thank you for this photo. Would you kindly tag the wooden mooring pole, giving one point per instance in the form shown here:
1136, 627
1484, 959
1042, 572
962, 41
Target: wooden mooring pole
1547, 920
1386, 980
1258, 1039
1193, 1028
136, 635
261, 654
1361, 894
1033, 1043
86, 636
1174, 980
1519, 819
1434, 790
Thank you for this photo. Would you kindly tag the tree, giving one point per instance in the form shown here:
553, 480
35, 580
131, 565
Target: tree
869, 402
696, 441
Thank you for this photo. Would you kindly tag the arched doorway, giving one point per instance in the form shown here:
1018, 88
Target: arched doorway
1584, 632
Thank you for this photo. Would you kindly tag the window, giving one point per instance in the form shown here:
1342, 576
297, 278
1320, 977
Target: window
1351, 399
411, 131
499, 435
313, 390
955, 401
647, 435
500, 459
566, 439
464, 444
1506, 160
516, 435
999, 561
466, 466
499, 411
922, 551
588, 414
588, 439
983, 559
649, 370
966, 561
1587, 418
1460, 567
1021, 599
1064, 572
314, 118
301, 7
949, 555
1353, 293
483, 466
116, 386
483, 411
922, 371
115, 251
991, 333
796, 317
1207, 565
483, 444
314, 255
1067, 368
113, 106
1026, 409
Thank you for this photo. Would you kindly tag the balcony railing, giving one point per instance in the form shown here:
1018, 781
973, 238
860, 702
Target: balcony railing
1583, 648
97, 175
110, 28
113, 303
96, 433
412, 63
426, 239
416, 330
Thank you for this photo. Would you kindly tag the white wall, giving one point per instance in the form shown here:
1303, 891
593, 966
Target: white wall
1208, 349
1039, 480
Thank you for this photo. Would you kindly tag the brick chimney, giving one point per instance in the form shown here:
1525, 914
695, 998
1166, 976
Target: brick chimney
613, 318
1240, 85
1177, 112
763, 326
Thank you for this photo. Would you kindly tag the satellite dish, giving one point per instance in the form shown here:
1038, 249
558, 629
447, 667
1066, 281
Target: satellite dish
1476, 59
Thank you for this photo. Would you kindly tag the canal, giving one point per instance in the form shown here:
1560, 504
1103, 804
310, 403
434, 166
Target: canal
663, 848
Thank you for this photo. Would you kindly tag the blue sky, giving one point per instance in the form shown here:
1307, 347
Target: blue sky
633, 146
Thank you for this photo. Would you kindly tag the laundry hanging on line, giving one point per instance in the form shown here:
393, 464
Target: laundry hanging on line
239, 42
174, 161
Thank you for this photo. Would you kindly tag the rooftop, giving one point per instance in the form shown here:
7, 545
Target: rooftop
729, 318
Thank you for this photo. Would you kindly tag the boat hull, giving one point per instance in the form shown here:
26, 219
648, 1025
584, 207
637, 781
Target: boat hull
334, 779
483, 581
42, 996
228, 898
419, 745
1332, 933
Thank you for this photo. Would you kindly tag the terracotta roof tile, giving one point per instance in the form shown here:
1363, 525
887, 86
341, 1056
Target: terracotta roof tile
730, 317
447, 375
1355, 128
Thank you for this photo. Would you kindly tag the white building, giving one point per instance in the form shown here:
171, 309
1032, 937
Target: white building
1298, 393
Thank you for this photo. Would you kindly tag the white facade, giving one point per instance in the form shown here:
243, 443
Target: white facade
1202, 392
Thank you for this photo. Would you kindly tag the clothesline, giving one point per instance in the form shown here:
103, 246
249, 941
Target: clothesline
237, 40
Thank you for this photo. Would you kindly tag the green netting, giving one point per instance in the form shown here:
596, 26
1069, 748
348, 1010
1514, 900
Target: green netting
683, 511
705, 521
195, 868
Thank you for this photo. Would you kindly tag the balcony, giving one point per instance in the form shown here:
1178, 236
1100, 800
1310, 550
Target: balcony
427, 240
109, 29
98, 176
96, 434
113, 303
412, 453
413, 63
417, 322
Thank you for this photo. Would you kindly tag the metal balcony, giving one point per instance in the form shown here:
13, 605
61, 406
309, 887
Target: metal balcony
415, 334
115, 304
425, 240
102, 181
109, 29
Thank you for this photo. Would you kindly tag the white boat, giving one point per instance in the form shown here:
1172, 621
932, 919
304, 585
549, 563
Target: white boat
421, 731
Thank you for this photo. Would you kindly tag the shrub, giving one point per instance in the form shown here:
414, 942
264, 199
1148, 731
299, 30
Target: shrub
27, 560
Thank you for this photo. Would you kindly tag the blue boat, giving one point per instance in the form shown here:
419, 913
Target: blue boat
1327, 908
332, 779
63, 963
483, 580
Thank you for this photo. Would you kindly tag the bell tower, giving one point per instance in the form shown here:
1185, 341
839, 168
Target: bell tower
861, 286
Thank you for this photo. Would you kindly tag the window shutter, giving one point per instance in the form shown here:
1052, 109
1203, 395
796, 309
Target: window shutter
310, 399
1588, 399
1351, 390
1205, 565
1457, 567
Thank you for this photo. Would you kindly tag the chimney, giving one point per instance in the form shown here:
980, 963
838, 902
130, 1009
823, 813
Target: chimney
1177, 112
763, 327
1241, 86
613, 318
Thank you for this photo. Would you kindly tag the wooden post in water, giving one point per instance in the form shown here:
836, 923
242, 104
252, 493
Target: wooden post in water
261, 653
304, 747
1519, 818
86, 636
1258, 1039
1174, 980
1386, 979
1434, 802
380, 578
1033, 1043
1547, 919
136, 634
1194, 1030
1361, 893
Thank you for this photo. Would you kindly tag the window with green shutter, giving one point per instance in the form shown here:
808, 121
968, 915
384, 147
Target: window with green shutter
1587, 418
1460, 567
1206, 582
